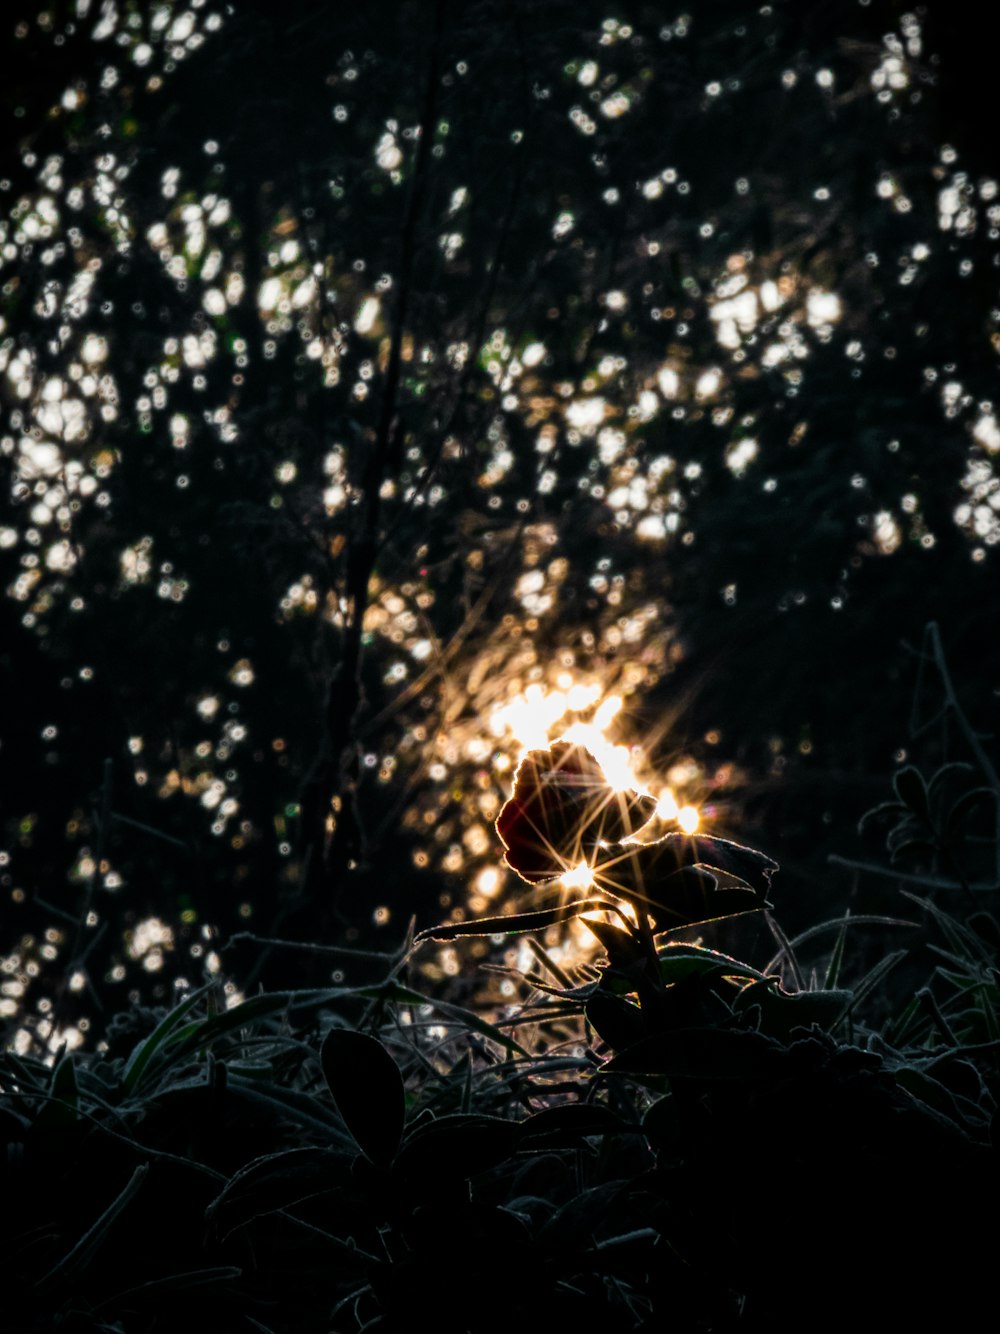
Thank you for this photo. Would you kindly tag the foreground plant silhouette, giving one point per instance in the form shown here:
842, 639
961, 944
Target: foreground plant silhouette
752, 1090
677, 1140
564, 814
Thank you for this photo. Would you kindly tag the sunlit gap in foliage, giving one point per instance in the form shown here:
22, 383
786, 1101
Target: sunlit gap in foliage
537, 717
579, 712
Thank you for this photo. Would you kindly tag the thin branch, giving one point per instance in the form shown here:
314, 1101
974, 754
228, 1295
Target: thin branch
983, 760
344, 692
910, 878
309, 947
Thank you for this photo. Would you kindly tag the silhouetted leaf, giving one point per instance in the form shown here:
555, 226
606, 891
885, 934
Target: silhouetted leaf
881, 815
564, 1125
144, 1052
953, 776
661, 1121
912, 791
913, 849
699, 1053
459, 1145
676, 879
368, 1089
294, 1104
965, 943
931, 1091
678, 962
561, 809
872, 979
77, 1259
573, 1224
837, 955
781, 1011
906, 834
623, 950
277, 1181
144, 1293
986, 927
956, 817
617, 1021
194, 1037
958, 1073
694, 895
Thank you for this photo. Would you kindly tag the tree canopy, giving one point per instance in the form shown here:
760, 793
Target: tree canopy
388, 387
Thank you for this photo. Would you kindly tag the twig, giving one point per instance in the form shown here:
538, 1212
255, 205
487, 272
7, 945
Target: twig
79, 954
933, 634
911, 878
308, 946
344, 692
148, 829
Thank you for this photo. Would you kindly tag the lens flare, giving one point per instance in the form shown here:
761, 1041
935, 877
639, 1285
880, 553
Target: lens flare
537, 717
666, 807
688, 819
616, 761
580, 877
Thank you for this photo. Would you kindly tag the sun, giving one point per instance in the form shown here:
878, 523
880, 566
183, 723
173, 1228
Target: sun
537, 717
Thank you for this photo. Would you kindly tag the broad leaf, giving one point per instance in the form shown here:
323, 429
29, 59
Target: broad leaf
676, 879
678, 962
781, 1011
562, 808
623, 950
912, 791
459, 1145
368, 1089
616, 1021
277, 1181
700, 1053
566, 1124
963, 808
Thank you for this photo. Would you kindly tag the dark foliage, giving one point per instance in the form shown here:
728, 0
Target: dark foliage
679, 1135
400, 404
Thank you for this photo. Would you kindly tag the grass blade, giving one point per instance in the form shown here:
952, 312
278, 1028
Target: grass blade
399, 995
144, 1052
869, 982
79, 1257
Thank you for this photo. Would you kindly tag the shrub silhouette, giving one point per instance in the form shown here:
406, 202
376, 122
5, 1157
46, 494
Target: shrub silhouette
709, 1146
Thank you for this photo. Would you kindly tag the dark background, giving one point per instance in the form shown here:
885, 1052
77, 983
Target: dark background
270, 554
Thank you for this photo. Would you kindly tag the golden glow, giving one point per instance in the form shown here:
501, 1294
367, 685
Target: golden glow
607, 711
666, 807
581, 697
534, 719
488, 881
616, 761
688, 819
580, 877
530, 717
538, 717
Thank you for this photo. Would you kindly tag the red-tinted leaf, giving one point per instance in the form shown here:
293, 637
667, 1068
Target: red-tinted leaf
561, 809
